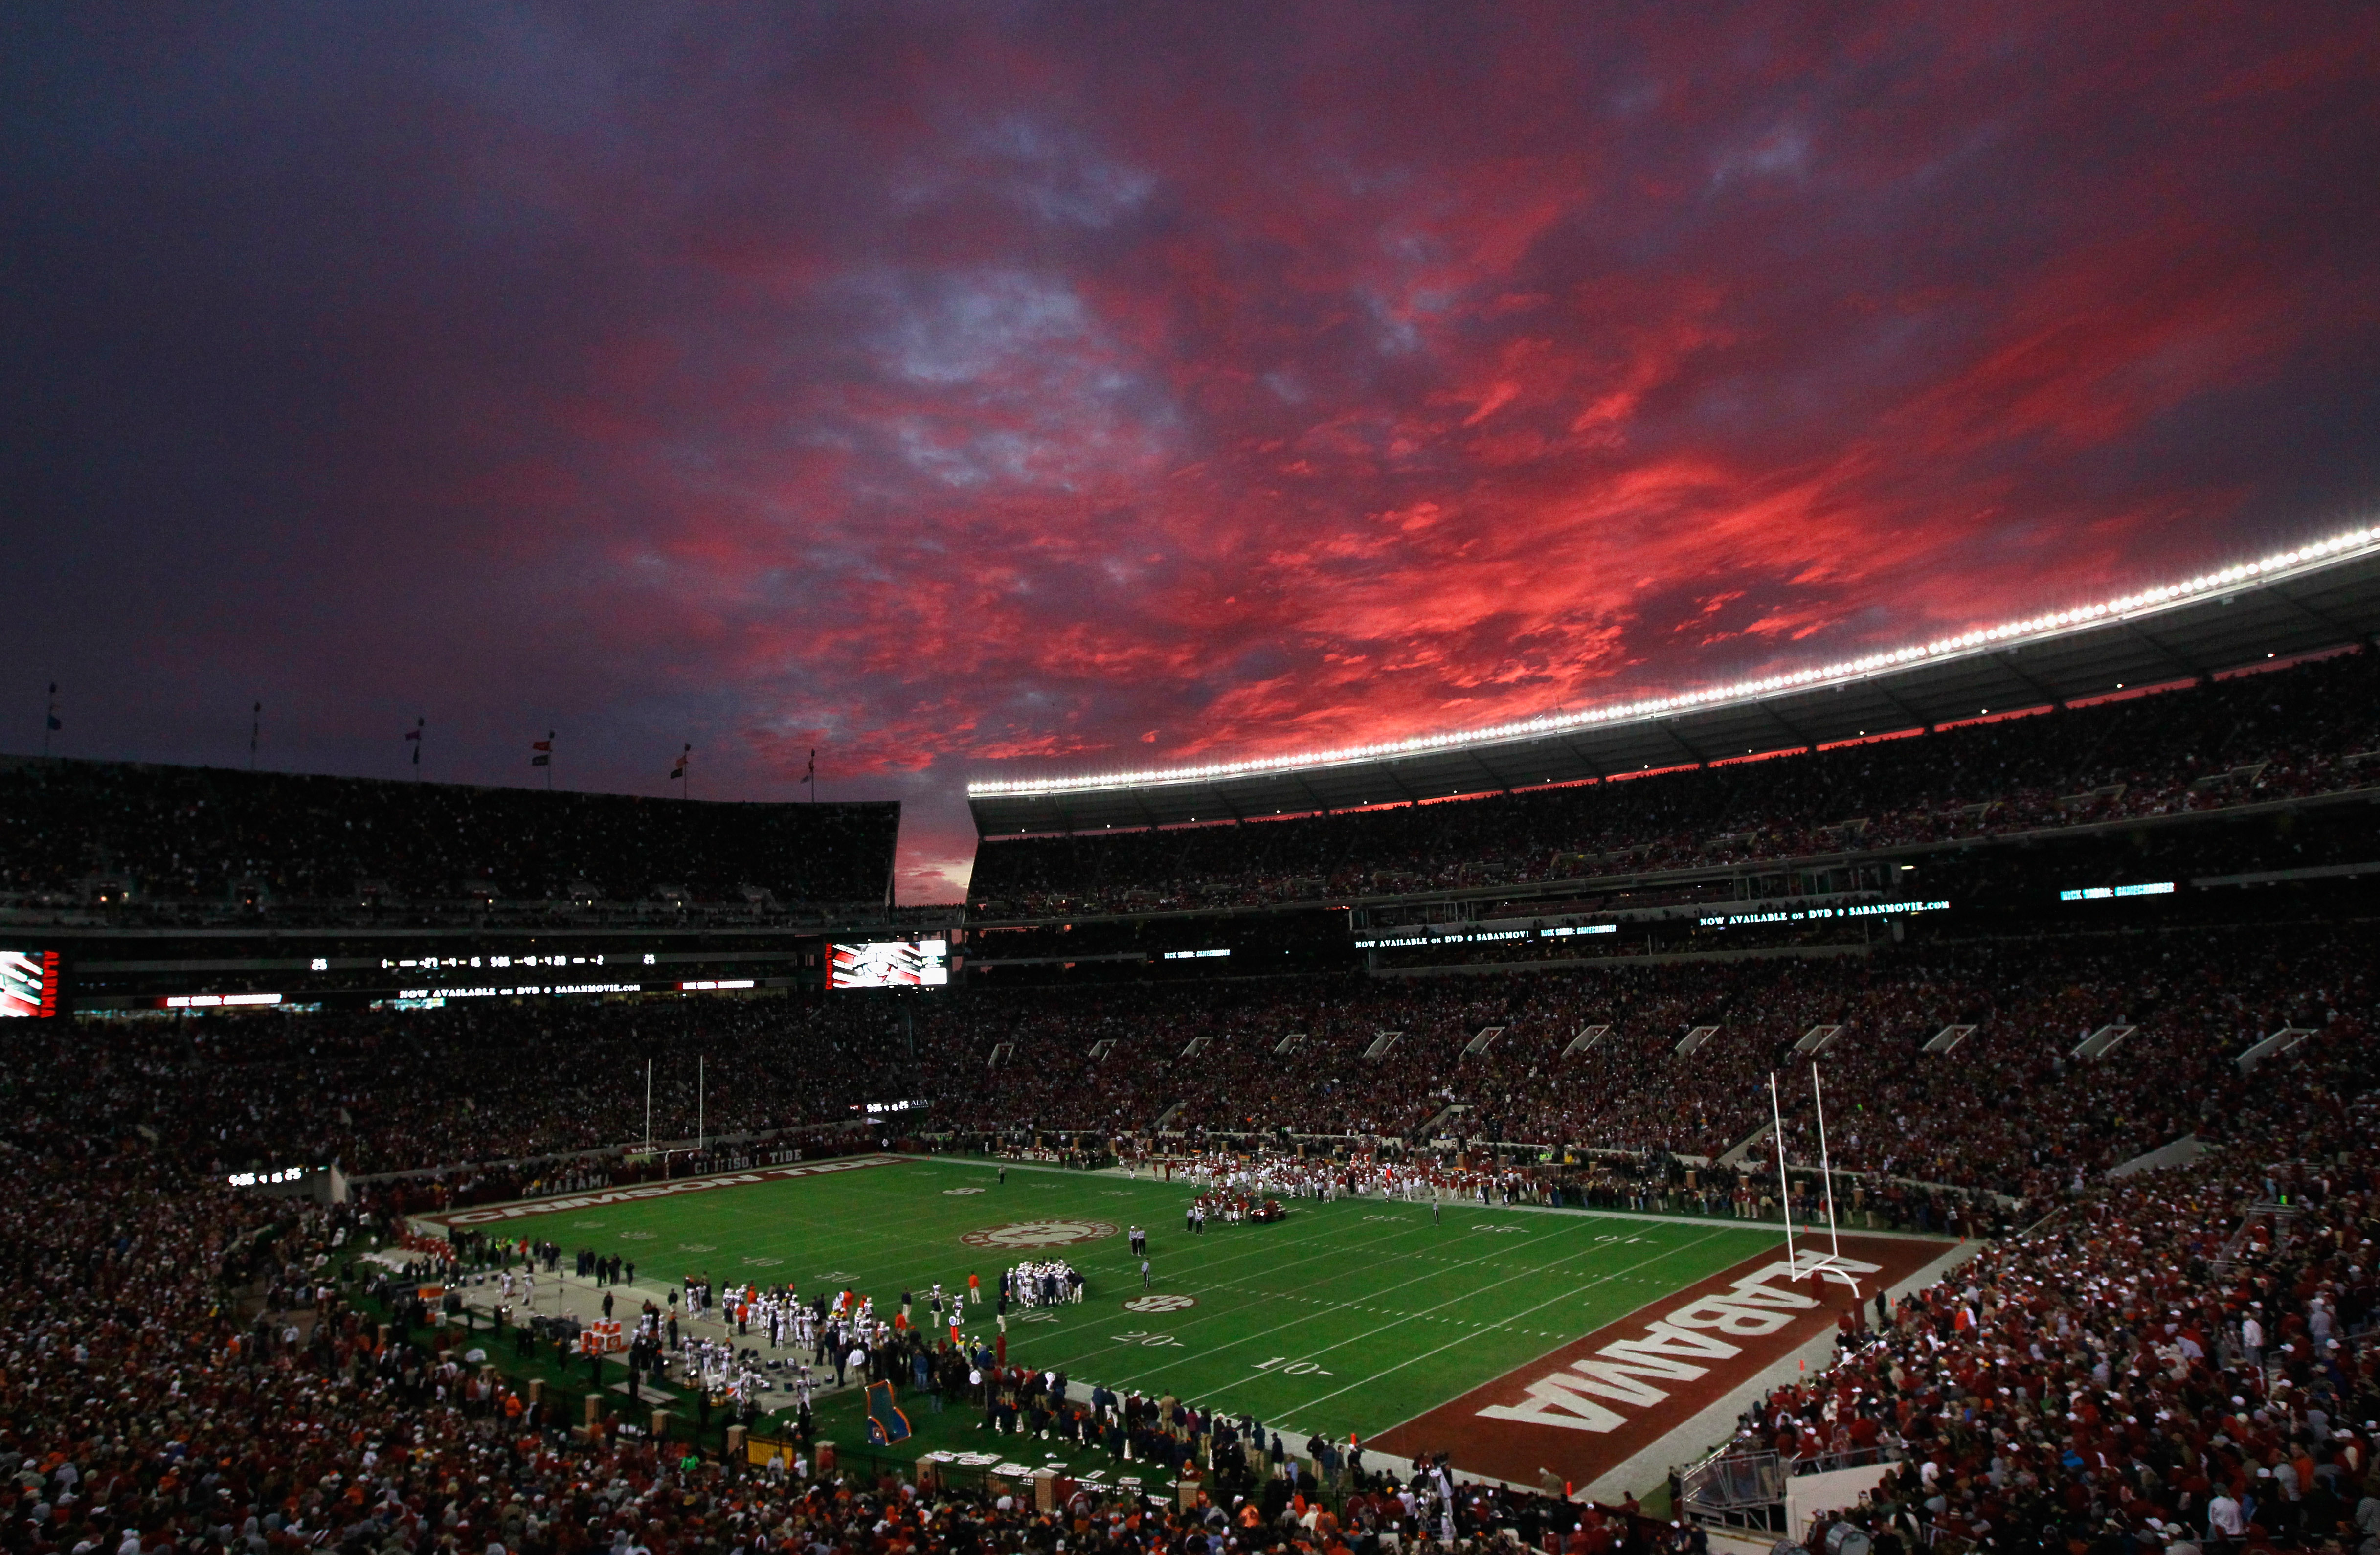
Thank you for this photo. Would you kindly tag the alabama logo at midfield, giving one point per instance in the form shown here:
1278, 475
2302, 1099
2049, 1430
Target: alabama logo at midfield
1039, 1233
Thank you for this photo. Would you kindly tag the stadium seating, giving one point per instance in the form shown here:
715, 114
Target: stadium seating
177, 1384
396, 1090
2097, 1375
2080, 1380
108, 832
173, 1376
2283, 734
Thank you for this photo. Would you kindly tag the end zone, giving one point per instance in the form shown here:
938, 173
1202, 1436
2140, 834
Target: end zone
1584, 1409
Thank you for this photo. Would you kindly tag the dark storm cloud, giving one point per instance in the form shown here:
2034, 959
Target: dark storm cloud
1026, 388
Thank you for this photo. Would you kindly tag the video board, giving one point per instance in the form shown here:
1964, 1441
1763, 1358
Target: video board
28, 983
888, 964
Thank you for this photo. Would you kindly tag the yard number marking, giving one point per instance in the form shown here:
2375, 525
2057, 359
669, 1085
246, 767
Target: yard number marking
1292, 1368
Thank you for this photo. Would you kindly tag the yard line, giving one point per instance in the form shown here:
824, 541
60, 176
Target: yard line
1465, 1339
1329, 1231
1451, 1301
1342, 1243
1478, 1330
1231, 1314
1224, 1314
1553, 1231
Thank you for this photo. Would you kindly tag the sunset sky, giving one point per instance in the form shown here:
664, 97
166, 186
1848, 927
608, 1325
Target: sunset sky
989, 390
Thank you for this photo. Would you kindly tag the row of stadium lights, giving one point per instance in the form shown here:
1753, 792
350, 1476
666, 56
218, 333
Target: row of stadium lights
1748, 751
2057, 621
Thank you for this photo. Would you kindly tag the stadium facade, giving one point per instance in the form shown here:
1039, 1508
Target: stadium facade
2319, 596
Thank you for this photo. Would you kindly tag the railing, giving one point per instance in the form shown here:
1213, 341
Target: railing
1736, 1489
1826, 1462
2256, 1213
1746, 1489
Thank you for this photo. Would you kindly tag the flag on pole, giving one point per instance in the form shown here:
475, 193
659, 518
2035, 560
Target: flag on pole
679, 771
414, 735
545, 749
55, 723
809, 774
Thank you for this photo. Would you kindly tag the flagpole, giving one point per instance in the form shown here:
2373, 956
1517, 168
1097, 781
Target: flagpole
50, 720
255, 727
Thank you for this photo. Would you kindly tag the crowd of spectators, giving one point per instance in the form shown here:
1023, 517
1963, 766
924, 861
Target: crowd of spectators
2177, 1358
2281, 733
183, 1372
1667, 1060
178, 1371
381, 1091
1519, 1058
75, 831
2183, 1360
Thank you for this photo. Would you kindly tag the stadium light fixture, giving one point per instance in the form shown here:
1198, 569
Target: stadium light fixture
2050, 623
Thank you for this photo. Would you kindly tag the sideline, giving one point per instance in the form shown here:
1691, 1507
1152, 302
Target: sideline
1655, 1217
520, 1208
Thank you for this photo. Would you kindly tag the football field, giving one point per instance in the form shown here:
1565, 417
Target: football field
1349, 1317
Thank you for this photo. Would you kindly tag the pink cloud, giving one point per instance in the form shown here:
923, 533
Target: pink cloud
1056, 391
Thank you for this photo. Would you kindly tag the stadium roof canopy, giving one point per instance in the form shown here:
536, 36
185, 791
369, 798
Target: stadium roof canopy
2321, 595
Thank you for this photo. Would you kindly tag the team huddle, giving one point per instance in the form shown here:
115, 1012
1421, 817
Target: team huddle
1041, 1284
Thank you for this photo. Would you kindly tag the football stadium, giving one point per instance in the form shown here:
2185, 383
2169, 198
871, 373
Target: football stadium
1030, 778
1530, 1126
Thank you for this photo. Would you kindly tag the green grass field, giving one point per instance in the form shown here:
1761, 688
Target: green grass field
1352, 1316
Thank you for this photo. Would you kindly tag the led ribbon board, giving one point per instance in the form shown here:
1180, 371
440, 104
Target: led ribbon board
1982, 639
